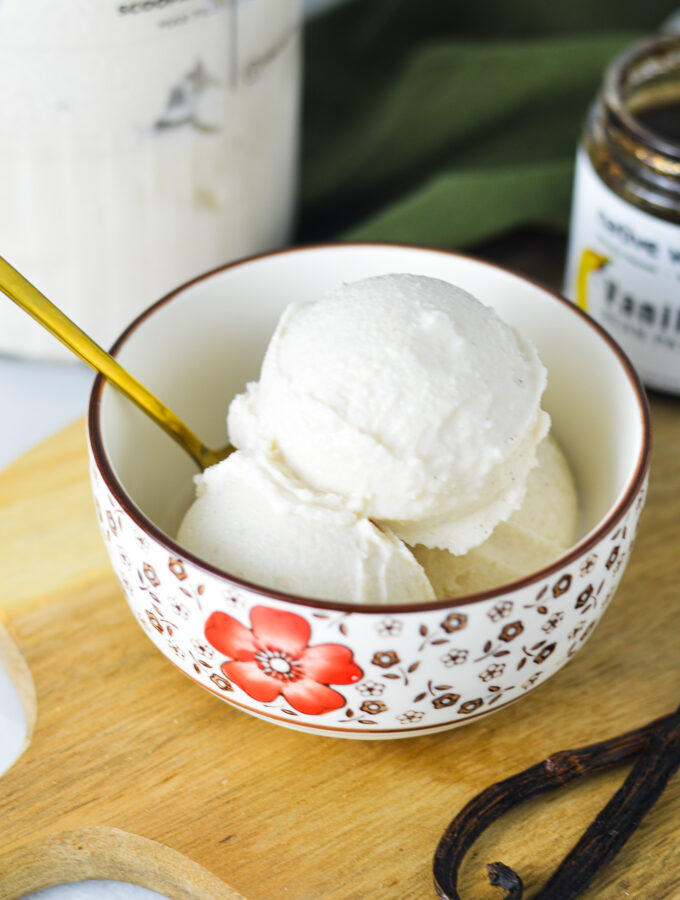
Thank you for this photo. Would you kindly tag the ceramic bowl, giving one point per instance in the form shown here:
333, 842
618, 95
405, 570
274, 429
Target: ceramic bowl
341, 670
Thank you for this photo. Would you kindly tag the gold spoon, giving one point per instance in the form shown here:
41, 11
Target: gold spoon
29, 298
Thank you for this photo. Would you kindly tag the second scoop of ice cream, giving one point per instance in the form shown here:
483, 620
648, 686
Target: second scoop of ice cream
257, 522
407, 398
536, 534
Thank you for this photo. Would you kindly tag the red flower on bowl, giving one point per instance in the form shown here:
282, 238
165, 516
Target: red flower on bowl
273, 657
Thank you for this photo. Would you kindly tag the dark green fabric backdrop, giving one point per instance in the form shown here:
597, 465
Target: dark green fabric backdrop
446, 123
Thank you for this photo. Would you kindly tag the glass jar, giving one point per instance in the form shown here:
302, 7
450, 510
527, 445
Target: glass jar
623, 259
142, 142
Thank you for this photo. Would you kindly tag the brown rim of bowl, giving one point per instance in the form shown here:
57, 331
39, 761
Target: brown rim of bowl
582, 547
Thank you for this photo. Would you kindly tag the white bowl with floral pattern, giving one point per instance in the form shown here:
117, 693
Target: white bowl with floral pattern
331, 668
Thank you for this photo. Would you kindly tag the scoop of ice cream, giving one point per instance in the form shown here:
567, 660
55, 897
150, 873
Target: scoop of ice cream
535, 535
257, 522
406, 397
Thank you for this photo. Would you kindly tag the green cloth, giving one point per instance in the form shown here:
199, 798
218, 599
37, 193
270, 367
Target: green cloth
448, 123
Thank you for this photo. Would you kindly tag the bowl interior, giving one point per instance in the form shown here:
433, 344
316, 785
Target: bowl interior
199, 348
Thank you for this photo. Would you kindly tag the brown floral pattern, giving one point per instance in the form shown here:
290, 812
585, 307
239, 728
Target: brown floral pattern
421, 669
444, 701
470, 706
455, 657
385, 658
511, 631
562, 586
221, 682
373, 707
500, 610
150, 573
176, 566
454, 622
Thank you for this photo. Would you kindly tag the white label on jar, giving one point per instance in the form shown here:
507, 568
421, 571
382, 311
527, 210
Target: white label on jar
623, 268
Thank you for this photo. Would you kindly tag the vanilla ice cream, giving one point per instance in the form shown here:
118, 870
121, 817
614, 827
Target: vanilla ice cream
253, 519
408, 398
393, 413
538, 533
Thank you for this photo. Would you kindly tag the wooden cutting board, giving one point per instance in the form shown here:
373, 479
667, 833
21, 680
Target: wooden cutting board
134, 773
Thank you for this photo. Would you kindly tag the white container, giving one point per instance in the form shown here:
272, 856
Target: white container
141, 144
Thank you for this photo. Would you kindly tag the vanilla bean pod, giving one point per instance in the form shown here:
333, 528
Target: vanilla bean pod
558, 770
615, 823
503, 876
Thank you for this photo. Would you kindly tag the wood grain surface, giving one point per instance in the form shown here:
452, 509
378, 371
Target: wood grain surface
133, 772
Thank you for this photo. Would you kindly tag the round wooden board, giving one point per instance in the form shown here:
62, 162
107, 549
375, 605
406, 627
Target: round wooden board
133, 772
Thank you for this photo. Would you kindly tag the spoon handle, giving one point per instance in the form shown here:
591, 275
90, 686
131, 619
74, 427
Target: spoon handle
29, 298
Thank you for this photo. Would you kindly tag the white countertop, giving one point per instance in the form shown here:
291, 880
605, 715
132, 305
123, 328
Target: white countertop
36, 400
